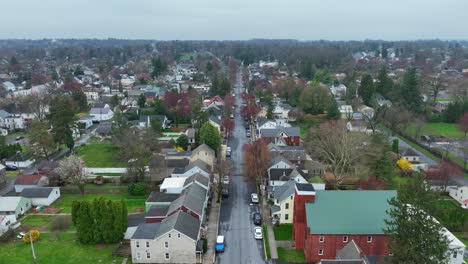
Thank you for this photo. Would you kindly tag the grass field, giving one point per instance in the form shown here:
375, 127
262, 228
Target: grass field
60, 248
106, 188
291, 255
283, 232
100, 156
134, 203
445, 129
307, 123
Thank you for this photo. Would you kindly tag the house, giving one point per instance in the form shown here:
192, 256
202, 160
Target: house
215, 121
104, 129
281, 110
205, 154
216, 100
11, 121
20, 160
198, 179
357, 126
190, 133
339, 90
326, 221
30, 181
194, 167
86, 121
101, 113
16, 206
283, 198
5, 222
264, 123
278, 177
295, 154
366, 110
381, 101
280, 162
284, 136
41, 195
172, 185
176, 239
460, 194
352, 254
160, 199
410, 155
145, 121
346, 111
8, 86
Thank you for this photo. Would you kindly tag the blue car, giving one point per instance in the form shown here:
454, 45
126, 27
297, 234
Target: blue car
220, 244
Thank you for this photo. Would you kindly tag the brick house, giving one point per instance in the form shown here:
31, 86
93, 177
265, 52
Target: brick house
326, 221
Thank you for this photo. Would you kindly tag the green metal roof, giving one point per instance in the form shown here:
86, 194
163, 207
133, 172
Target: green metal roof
348, 212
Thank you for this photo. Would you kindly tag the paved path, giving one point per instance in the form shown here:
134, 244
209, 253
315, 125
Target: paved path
212, 231
236, 222
271, 233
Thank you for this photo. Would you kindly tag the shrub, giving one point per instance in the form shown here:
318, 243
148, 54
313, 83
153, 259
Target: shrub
404, 164
61, 223
138, 188
34, 234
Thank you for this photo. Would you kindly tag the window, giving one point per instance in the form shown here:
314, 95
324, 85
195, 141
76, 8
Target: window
286, 205
178, 235
148, 255
320, 252
291, 197
166, 244
455, 253
321, 239
345, 239
147, 243
137, 243
369, 239
167, 255
169, 235
286, 217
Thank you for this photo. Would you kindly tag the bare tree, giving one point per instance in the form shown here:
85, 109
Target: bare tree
37, 104
72, 170
396, 118
339, 150
221, 168
256, 159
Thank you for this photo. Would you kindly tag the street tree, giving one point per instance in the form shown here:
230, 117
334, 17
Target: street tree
256, 160
72, 170
40, 140
416, 237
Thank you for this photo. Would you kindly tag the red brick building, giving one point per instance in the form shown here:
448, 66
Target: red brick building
327, 221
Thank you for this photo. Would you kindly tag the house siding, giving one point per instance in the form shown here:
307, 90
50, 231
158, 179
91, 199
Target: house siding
299, 222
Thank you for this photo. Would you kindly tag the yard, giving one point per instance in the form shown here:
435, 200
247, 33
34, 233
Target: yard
291, 255
100, 156
42, 222
444, 129
283, 232
134, 203
57, 248
306, 123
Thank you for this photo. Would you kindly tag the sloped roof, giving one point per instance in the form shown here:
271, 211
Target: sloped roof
348, 212
349, 251
10, 203
198, 178
198, 163
183, 223
39, 192
99, 111
28, 179
273, 132
157, 211
280, 174
202, 147
21, 156
177, 163
162, 197
284, 191
408, 152
278, 159
146, 231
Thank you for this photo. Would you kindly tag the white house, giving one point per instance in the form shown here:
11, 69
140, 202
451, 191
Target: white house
194, 167
5, 222
460, 194
14, 205
281, 110
41, 195
11, 121
172, 185
86, 121
346, 111
410, 155
338, 90
9, 87
456, 248
101, 113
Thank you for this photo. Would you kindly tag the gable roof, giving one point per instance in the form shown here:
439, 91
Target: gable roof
8, 204
177, 163
349, 251
203, 147
99, 111
278, 159
273, 132
197, 177
348, 212
161, 197
25, 179
39, 192
157, 211
215, 119
408, 152
284, 191
146, 231
21, 156
280, 174
181, 222
200, 164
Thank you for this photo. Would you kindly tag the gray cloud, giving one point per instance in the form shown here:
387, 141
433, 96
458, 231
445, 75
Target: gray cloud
240, 19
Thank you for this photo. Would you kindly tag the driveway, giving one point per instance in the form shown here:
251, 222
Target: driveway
236, 211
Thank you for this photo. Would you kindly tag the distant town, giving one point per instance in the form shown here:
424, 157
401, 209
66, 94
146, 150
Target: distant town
258, 151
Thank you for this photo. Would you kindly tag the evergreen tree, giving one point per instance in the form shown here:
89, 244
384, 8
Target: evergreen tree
117, 211
210, 136
107, 223
396, 146
75, 211
62, 118
79, 98
415, 235
384, 84
141, 100
97, 217
333, 111
124, 216
366, 90
85, 223
182, 141
409, 91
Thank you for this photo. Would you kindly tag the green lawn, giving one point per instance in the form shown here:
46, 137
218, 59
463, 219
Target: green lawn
445, 129
100, 156
307, 123
283, 232
61, 248
12, 173
134, 203
37, 220
17, 134
316, 179
106, 188
291, 255
266, 244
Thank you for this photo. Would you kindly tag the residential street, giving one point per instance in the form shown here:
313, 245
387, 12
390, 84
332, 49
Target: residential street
236, 211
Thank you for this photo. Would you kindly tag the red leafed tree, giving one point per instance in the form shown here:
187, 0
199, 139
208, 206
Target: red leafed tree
229, 101
372, 183
228, 124
39, 78
71, 85
446, 172
257, 160
463, 124
144, 77
249, 111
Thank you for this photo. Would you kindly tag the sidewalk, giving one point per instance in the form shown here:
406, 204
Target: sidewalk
212, 231
271, 234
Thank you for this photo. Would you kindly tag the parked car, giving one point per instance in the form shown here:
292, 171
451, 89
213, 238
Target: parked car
228, 152
226, 180
220, 246
254, 198
258, 234
11, 167
257, 218
248, 134
18, 138
225, 193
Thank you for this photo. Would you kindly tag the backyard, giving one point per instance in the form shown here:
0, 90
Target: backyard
306, 123
444, 129
57, 248
291, 255
283, 232
100, 156
134, 203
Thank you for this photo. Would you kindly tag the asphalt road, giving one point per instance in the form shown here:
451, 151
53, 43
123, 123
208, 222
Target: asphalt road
236, 211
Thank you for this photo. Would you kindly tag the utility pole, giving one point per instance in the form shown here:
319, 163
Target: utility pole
32, 248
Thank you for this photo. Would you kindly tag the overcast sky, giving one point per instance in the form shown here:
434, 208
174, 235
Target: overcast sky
235, 19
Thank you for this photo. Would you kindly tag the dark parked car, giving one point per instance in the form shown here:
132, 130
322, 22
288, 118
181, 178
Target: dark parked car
11, 167
257, 218
225, 193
